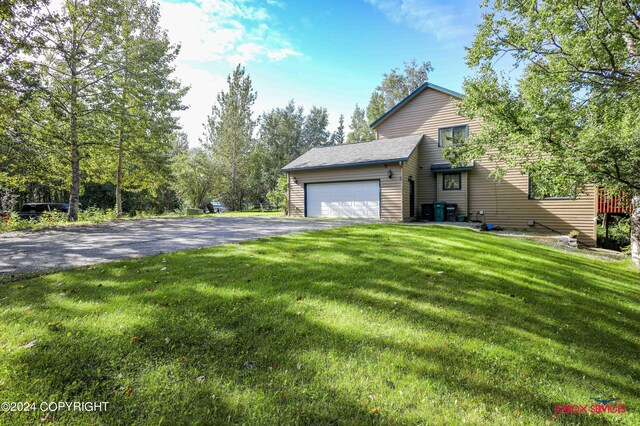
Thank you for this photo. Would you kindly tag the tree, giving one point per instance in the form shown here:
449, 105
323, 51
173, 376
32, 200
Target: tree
228, 134
278, 195
570, 120
194, 174
360, 131
79, 83
66, 54
338, 136
315, 131
143, 96
281, 138
396, 86
376, 107
23, 165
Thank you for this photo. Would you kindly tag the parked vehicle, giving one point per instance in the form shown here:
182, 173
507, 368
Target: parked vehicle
215, 207
36, 210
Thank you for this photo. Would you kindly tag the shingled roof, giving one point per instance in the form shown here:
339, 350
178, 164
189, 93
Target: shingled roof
356, 154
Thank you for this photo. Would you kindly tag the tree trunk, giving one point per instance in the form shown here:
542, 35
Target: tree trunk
119, 176
74, 193
635, 228
74, 196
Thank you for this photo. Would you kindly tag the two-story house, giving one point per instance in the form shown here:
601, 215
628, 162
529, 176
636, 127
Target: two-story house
402, 171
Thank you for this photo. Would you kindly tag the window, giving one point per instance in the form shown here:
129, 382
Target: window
452, 135
538, 191
451, 181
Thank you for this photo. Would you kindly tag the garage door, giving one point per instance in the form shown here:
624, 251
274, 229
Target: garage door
343, 199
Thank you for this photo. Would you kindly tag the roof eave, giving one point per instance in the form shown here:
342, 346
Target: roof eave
334, 166
412, 95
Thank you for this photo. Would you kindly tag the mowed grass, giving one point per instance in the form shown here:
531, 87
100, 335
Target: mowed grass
365, 324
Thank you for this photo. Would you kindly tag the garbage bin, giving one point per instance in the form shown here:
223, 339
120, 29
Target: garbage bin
451, 212
439, 211
427, 211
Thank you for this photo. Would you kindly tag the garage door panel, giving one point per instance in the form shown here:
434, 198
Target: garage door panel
344, 199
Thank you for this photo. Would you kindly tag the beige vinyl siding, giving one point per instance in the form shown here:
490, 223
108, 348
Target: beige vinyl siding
454, 196
410, 168
504, 203
425, 114
390, 188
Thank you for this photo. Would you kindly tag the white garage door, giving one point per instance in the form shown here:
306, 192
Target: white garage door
344, 199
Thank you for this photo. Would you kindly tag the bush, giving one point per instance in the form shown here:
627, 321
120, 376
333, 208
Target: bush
619, 233
96, 215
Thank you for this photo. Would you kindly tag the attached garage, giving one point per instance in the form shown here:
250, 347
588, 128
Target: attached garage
359, 199
363, 180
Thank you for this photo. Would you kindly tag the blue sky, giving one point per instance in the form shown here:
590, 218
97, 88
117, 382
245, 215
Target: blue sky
328, 53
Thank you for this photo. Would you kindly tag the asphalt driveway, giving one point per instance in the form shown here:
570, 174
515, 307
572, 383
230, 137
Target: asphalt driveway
77, 246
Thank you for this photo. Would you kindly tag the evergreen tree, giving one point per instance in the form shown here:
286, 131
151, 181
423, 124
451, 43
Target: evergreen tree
315, 131
359, 128
228, 134
281, 139
338, 137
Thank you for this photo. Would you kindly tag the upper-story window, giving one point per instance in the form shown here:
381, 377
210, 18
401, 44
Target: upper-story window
452, 135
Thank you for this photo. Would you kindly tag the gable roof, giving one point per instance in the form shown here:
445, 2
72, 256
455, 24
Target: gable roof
411, 96
356, 154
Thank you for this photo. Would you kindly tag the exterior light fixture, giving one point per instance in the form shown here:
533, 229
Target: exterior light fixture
295, 180
390, 174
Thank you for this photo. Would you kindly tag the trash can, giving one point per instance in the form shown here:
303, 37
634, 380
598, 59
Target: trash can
451, 212
427, 211
439, 211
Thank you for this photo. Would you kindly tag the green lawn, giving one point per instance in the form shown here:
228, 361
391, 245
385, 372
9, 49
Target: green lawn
374, 323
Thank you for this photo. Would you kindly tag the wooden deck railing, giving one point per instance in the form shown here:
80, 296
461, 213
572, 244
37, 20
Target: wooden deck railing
610, 202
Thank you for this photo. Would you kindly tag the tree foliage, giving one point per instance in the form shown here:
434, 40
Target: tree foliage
278, 195
395, 86
229, 136
80, 81
315, 131
570, 120
359, 130
338, 136
195, 177
143, 96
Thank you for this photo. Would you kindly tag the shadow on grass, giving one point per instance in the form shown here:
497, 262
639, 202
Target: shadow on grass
355, 325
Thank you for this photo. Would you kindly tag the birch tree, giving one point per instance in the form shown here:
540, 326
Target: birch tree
571, 119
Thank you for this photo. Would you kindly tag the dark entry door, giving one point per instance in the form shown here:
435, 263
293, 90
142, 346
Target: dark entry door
412, 198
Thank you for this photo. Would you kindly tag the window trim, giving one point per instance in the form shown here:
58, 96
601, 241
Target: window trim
531, 197
466, 132
459, 188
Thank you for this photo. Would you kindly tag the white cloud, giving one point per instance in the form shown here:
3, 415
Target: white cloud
216, 34
446, 21
212, 30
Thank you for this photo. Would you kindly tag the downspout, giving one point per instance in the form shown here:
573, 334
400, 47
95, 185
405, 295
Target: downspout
401, 191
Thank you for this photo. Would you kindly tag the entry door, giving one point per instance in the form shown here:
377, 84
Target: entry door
343, 199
